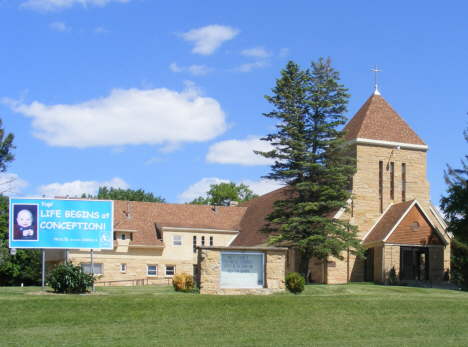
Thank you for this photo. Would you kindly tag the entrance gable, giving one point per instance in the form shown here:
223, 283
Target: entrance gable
415, 229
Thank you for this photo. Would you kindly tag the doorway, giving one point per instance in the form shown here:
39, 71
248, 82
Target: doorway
369, 266
414, 263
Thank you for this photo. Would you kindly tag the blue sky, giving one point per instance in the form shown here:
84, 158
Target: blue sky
168, 96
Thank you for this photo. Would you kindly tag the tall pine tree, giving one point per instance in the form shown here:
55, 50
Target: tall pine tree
309, 154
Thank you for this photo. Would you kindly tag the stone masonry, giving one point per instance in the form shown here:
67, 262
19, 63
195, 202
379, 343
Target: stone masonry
209, 259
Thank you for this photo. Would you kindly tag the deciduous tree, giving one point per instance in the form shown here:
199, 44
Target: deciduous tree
309, 154
111, 193
223, 192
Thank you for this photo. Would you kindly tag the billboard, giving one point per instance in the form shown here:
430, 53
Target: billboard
64, 224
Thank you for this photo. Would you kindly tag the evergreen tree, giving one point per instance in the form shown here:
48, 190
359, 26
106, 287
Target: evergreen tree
309, 154
111, 193
222, 193
455, 204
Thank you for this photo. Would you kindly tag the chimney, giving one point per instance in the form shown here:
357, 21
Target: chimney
128, 210
233, 203
215, 208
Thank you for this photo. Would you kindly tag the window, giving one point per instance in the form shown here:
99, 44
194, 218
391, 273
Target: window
203, 240
131, 237
176, 240
122, 237
170, 270
123, 267
403, 182
87, 268
152, 270
380, 185
194, 244
211, 240
115, 236
392, 181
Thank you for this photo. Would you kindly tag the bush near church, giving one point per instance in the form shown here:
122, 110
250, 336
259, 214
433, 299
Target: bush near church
295, 282
183, 282
69, 279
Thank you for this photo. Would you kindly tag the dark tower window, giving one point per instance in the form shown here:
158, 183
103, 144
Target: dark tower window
403, 182
380, 185
392, 181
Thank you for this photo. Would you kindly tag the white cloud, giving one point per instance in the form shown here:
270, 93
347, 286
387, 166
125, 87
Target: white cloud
263, 186
284, 52
77, 188
153, 160
194, 70
209, 38
198, 189
101, 30
199, 70
239, 152
59, 26
158, 116
11, 184
56, 5
251, 66
175, 68
258, 52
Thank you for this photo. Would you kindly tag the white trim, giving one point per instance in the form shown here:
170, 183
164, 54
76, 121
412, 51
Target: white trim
378, 220
126, 230
438, 216
362, 141
416, 202
200, 230
414, 245
342, 210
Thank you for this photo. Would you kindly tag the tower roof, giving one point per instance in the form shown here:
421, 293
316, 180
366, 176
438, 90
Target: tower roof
378, 121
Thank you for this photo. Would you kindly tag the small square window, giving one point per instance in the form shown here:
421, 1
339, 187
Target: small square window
122, 237
123, 267
203, 240
176, 240
170, 270
152, 270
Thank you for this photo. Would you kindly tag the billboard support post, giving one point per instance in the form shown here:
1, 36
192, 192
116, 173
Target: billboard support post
92, 267
66, 256
43, 269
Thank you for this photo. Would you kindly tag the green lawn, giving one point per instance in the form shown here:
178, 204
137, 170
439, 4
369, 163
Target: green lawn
334, 315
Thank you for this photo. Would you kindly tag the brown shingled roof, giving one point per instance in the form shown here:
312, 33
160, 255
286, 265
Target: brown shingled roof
254, 219
387, 222
145, 216
377, 120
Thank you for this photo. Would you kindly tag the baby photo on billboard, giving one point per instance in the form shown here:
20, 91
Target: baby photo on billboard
25, 222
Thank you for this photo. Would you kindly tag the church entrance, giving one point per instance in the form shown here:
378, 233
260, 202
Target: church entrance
414, 263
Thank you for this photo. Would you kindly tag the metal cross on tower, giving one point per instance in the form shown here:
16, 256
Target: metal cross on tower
375, 88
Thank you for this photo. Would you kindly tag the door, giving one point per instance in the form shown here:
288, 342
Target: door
414, 263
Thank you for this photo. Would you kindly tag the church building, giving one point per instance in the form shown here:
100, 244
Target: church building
391, 207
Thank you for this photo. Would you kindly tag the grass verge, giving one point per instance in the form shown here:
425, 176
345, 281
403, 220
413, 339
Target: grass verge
333, 315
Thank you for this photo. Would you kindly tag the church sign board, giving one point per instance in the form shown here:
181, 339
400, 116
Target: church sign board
242, 270
61, 223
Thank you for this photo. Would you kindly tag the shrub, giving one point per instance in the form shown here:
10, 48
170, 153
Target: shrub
69, 279
393, 279
295, 282
183, 282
